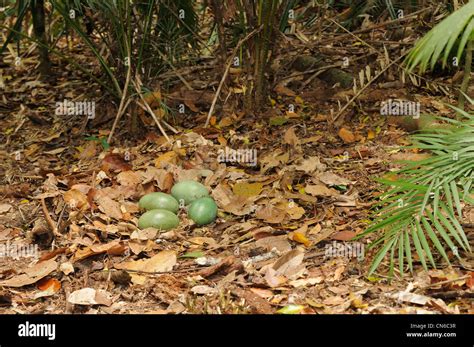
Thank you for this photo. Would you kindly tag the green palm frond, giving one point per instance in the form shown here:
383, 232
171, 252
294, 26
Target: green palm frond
438, 43
423, 209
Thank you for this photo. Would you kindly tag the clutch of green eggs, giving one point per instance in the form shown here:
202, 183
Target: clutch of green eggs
162, 208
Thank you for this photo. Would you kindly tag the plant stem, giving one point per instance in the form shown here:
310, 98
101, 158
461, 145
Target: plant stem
467, 75
37, 11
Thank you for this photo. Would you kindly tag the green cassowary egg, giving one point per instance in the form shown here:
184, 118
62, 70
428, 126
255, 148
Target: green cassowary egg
188, 191
162, 201
159, 219
203, 211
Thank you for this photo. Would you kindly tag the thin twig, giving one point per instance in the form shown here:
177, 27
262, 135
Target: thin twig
446, 282
365, 87
137, 85
155, 272
123, 102
175, 70
48, 218
226, 72
162, 120
377, 26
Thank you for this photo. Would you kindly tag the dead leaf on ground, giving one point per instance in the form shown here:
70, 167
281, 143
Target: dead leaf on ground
246, 189
331, 179
346, 135
109, 207
31, 275
47, 287
161, 262
309, 165
270, 214
112, 248
5, 208
280, 243
90, 296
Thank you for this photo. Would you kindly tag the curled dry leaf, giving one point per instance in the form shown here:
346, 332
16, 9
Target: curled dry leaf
346, 135
331, 179
309, 165
47, 287
129, 178
66, 268
109, 207
76, 199
112, 248
271, 214
319, 190
280, 243
31, 275
288, 266
5, 208
246, 189
161, 262
90, 296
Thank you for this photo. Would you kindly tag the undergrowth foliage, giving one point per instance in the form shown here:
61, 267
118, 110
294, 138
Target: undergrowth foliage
423, 207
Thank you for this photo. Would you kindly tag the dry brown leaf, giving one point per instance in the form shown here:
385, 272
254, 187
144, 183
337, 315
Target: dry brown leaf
129, 178
346, 135
5, 208
309, 165
290, 264
31, 275
167, 158
331, 179
290, 137
109, 207
280, 243
319, 190
76, 199
164, 261
247, 190
90, 296
113, 248
270, 214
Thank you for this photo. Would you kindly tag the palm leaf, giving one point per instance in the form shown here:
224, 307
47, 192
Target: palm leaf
457, 27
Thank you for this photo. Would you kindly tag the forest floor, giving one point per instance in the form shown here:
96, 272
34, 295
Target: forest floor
271, 249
